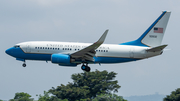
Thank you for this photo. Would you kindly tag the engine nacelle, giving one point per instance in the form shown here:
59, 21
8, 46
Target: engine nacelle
61, 59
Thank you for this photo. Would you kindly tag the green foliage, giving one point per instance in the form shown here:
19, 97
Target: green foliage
22, 97
87, 86
22, 94
1, 100
69, 91
97, 82
174, 96
46, 97
108, 97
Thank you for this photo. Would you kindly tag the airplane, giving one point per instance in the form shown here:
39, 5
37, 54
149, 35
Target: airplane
73, 53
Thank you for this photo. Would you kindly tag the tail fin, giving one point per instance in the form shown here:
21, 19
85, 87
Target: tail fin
154, 34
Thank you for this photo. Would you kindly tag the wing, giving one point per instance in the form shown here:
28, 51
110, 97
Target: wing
88, 53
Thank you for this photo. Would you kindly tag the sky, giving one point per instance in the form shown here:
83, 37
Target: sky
85, 21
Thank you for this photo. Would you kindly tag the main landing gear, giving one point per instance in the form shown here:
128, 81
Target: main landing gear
85, 68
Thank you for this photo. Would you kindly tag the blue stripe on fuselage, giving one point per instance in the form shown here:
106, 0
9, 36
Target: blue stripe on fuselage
113, 59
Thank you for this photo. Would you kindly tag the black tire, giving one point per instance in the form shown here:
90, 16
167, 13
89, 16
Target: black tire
24, 65
88, 69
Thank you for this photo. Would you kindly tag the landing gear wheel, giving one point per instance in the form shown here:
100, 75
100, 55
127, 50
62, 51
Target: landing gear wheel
88, 69
85, 68
24, 65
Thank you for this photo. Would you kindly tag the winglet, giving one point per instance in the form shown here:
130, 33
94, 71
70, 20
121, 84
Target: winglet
101, 40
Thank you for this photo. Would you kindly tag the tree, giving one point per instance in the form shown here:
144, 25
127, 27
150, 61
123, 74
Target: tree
87, 86
108, 97
22, 97
46, 97
174, 96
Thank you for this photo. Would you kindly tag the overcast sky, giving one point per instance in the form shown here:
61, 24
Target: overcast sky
85, 21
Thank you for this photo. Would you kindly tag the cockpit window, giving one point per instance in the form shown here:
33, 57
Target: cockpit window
16, 46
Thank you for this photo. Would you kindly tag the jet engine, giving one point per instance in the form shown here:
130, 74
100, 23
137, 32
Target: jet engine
62, 60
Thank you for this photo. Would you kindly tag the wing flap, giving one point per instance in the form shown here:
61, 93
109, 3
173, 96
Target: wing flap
90, 54
88, 58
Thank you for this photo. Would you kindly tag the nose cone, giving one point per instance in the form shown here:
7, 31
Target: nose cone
9, 51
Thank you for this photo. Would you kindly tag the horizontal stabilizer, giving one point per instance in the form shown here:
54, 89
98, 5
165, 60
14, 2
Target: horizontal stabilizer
158, 48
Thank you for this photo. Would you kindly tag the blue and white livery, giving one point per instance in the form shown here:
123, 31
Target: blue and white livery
73, 54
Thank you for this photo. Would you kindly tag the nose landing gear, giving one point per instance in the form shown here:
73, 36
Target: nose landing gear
85, 68
24, 64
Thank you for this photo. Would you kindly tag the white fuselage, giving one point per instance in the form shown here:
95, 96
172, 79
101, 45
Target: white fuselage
105, 50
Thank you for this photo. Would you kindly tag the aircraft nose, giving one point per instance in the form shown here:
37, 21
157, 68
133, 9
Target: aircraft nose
9, 51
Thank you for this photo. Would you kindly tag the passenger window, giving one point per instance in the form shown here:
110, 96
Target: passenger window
55, 48
106, 50
35, 47
40, 47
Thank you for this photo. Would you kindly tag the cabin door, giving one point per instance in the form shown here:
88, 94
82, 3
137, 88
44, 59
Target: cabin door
28, 48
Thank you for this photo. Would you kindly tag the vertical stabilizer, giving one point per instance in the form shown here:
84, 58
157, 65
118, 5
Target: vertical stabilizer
154, 34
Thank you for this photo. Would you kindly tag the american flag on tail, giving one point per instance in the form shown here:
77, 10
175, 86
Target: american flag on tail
158, 30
